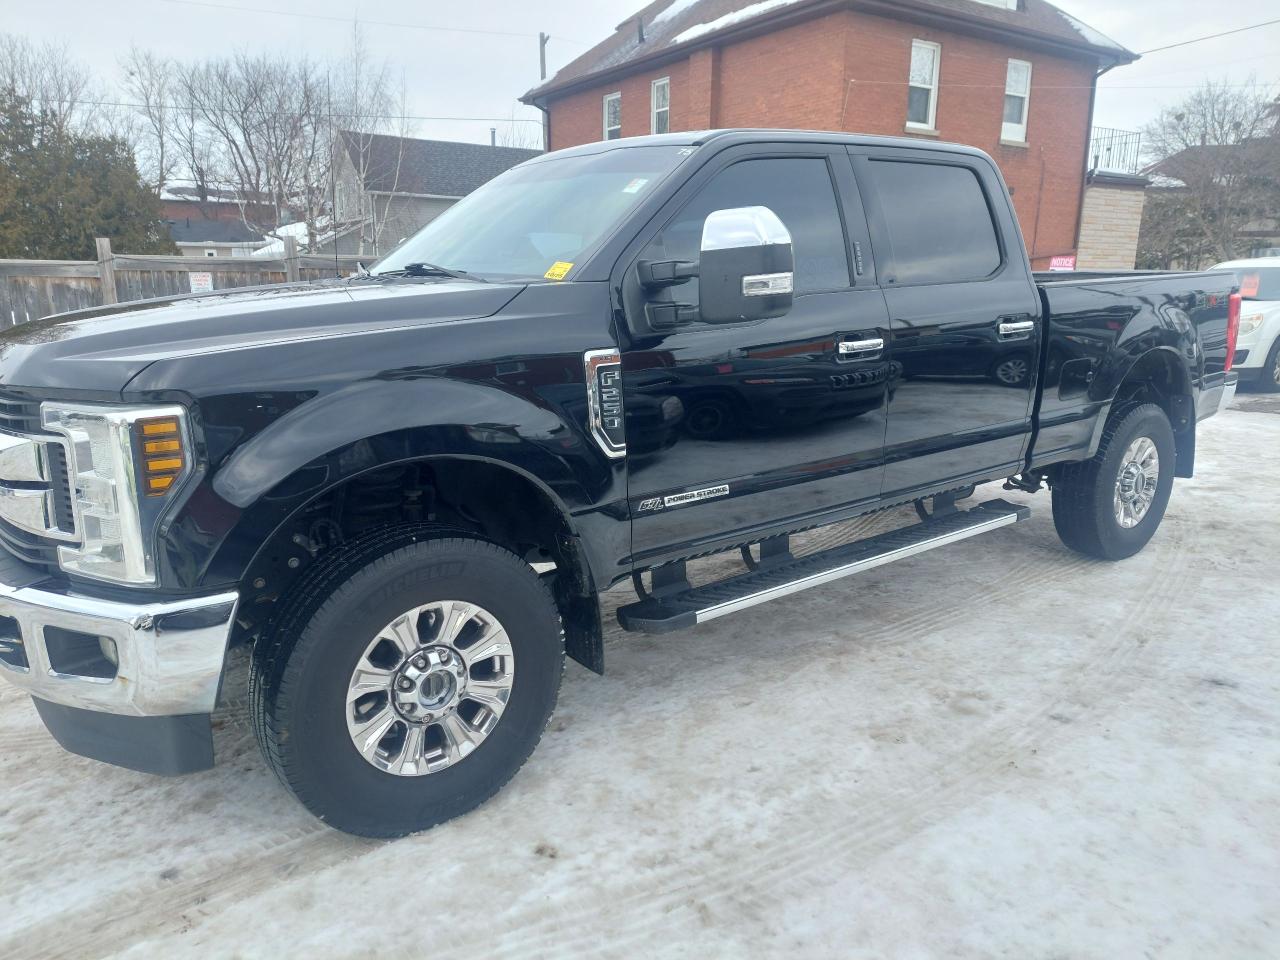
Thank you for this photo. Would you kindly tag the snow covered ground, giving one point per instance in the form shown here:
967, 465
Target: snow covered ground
995, 749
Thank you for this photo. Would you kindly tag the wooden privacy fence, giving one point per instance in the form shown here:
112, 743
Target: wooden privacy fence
31, 289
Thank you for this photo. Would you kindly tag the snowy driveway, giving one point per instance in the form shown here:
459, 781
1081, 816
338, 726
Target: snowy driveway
995, 749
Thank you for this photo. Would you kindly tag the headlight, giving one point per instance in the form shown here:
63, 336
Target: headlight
1250, 323
124, 464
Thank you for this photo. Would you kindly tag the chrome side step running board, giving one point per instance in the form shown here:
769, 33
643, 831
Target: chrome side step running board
671, 604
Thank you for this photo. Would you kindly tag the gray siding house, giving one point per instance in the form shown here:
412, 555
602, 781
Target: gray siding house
390, 187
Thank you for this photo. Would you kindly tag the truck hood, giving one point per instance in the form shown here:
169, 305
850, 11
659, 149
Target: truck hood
102, 349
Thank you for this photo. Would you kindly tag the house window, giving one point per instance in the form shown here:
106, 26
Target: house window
1017, 97
922, 91
1005, 4
613, 116
660, 98
211, 253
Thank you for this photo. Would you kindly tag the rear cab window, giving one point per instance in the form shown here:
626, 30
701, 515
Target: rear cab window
940, 227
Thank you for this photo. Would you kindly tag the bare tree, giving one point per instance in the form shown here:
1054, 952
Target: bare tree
1215, 160
365, 111
48, 76
260, 125
149, 82
264, 130
521, 132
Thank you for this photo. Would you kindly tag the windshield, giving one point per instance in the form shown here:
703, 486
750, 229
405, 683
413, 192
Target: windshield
1256, 283
537, 220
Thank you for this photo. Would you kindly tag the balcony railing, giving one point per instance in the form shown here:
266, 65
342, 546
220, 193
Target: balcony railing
1115, 151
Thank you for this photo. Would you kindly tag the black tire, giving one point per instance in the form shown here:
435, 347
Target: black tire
1084, 493
1269, 380
302, 666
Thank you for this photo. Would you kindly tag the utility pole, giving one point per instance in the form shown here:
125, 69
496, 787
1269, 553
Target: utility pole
542, 71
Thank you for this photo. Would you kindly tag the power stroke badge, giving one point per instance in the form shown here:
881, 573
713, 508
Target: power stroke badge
681, 499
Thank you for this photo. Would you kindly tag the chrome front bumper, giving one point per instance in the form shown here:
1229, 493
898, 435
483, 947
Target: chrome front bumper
167, 656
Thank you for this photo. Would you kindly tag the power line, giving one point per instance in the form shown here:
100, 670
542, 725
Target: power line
191, 108
333, 18
1212, 36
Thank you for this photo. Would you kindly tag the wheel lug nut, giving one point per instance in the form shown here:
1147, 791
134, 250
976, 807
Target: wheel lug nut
420, 662
409, 708
405, 683
444, 656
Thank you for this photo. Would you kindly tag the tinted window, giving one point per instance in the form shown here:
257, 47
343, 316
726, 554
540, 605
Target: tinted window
939, 225
798, 190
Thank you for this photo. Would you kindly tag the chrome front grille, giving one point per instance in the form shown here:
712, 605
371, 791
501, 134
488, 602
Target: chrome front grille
19, 416
36, 510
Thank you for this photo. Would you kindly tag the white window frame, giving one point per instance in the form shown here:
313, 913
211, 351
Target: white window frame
604, 113
936, 49
1016, 132
654, 109
1006, 4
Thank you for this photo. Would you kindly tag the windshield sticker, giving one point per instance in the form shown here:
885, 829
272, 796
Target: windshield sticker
635, 186
559, 270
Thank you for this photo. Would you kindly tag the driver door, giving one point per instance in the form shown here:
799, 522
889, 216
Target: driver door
766, 425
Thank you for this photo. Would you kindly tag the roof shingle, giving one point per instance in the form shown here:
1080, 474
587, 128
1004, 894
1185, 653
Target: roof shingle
439, 168
669, 24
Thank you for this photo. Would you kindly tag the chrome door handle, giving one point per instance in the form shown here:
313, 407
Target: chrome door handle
853, 348
1017, 328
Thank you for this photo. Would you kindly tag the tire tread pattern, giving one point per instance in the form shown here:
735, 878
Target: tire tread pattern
270, 691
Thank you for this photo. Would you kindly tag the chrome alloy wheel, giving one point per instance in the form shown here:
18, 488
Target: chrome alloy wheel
430, 688
1012, 372
1136, 484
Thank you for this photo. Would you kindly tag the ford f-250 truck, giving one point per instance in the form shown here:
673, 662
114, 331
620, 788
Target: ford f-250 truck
407, 490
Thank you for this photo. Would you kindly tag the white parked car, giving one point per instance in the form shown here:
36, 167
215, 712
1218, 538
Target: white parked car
1258, 347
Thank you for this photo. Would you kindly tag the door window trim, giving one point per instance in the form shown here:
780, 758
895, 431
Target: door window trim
822, 152
886, 256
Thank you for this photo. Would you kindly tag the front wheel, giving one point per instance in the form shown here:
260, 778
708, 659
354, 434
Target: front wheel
1110, 507
407, 681
1270, 379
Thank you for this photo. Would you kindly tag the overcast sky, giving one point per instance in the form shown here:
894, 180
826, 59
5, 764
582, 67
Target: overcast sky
476, 74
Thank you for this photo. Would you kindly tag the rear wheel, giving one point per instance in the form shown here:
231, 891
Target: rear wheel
1110, 507
407, 681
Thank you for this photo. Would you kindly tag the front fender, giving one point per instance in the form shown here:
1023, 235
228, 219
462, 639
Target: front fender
363, 426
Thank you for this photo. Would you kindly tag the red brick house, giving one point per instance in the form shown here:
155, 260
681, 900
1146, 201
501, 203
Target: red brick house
1013, 77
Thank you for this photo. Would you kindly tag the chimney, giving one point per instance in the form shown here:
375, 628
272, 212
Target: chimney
640, 28
493, 136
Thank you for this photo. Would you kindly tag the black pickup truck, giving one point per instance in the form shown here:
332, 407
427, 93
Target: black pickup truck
407, 490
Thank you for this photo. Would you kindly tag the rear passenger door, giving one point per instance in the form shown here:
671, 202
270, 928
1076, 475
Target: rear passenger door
964, 316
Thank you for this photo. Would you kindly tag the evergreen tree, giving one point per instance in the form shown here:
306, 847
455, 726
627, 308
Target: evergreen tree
59, 189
